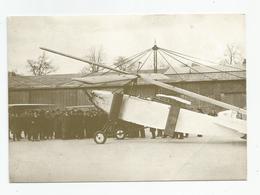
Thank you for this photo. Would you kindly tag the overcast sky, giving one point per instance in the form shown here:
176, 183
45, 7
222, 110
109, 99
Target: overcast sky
204, 36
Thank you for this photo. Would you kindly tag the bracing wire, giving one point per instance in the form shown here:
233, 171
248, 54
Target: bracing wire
170, 65
138, 59
129, 59
187, 65
175, 52
144, 62
206, 65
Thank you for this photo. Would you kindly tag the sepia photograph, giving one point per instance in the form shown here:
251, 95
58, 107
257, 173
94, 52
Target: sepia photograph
104, 98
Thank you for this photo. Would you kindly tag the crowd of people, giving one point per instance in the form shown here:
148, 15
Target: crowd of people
37, 125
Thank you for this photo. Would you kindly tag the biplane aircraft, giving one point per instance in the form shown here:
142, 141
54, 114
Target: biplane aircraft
152, 113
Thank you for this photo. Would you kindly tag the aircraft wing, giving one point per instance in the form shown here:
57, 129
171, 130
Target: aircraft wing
105, 78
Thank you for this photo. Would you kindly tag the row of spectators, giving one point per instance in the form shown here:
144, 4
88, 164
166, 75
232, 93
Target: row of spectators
54, 124
38, 125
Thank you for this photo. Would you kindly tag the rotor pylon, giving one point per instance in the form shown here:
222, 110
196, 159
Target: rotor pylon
155, 48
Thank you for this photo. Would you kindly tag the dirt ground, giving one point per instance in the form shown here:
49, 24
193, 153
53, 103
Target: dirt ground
139, 159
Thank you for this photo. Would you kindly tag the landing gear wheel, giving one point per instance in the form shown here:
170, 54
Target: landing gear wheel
120, 134
100, 137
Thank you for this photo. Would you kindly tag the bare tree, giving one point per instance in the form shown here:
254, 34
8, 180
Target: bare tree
41, 66
232, 56
96, 56
122, 64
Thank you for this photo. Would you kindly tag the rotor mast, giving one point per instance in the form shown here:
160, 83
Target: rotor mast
155, 48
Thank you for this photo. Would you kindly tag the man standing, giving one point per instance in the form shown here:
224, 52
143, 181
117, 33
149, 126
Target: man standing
152, 130
142, 131
58, 123
41, 124
200, 111
15, 127
35, 126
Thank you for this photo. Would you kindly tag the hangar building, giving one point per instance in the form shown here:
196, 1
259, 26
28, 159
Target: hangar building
226, 84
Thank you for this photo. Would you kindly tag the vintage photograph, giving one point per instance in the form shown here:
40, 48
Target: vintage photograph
127, 98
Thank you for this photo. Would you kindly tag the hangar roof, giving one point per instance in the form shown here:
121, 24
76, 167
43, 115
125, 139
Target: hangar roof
185, 74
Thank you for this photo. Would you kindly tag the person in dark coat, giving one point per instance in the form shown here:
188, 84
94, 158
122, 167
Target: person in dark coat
142, 131
47, 125
10, 124
35, 126
85, 123
64, 124
81, 125
58, 124
73, 125
19, 126
41, 123
152, 130
70, 124
76, 124
52, 124
159, 133
15, 122
91, 124
30, 125
26, 124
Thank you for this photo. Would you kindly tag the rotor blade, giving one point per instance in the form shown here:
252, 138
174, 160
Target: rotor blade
174, 98
193, 95
83, 60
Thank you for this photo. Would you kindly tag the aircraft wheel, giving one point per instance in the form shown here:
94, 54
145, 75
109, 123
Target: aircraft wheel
100, 137
120, 134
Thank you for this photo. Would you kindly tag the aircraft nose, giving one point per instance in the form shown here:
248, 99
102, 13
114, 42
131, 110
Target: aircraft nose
102, 99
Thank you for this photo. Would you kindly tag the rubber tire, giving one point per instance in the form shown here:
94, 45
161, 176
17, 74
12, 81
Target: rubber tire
118, 136
96, 138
